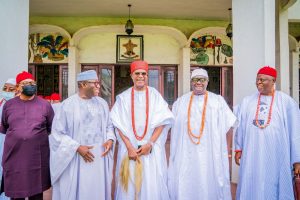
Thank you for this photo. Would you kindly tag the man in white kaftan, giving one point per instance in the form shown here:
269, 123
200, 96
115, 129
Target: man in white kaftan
131, 108
81, 158
267, 142
198, 164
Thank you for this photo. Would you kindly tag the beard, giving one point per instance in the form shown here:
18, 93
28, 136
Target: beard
89, 92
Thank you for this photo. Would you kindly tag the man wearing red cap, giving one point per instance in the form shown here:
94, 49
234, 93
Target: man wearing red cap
26, 149
267, 141
142, 118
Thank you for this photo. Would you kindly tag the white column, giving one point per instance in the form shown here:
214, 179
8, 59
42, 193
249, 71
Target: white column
284, 74
184, 72
295, 75
73, 69
14, 22
253, 43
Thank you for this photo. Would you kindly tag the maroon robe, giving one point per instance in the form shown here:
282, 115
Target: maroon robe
26, 148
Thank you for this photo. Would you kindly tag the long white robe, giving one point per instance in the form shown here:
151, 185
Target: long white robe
56, 107
154, 182
200, 171
81, 122
2, 138
268, 154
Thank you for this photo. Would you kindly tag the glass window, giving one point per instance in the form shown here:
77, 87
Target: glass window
106, 85
64, 86
153, 76
169, 86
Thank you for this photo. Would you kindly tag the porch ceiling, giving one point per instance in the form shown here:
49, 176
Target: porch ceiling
169, 9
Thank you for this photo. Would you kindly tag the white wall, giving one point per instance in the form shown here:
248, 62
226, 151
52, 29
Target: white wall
294, 11
14, 20
101, 48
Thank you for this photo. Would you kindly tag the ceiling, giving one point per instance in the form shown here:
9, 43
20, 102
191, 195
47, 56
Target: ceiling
169, 9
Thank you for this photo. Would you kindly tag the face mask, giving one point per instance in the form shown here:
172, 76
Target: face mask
7, 95
29, 90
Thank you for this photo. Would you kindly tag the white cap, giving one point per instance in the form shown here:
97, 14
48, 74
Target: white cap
11, 81
87, 75
199, 72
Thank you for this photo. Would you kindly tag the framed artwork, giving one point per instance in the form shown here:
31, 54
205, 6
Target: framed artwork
129, 48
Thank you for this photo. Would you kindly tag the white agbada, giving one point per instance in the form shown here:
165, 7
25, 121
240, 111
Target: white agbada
268, 154
200, 171
154, 183
2, 138
81, 122
56, 107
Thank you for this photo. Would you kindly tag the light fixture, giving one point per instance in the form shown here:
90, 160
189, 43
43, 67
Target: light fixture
129, 25
229, 27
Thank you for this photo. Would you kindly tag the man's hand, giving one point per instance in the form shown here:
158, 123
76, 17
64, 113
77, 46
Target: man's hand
296, 168
144, 149
237, 157
84, 151
107, 146
132, 153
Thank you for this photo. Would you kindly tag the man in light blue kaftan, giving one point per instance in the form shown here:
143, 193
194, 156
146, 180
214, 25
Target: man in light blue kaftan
82, 137
267, 142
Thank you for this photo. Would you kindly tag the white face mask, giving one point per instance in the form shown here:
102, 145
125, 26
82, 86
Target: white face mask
7, 95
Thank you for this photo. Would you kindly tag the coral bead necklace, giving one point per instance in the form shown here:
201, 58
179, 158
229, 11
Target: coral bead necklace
133, 117
269, 115
192, 136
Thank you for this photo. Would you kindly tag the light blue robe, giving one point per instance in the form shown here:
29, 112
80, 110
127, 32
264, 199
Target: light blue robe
268, 154
81, 122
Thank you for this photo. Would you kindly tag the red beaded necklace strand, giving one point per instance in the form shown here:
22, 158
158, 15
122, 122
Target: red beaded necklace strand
270, 112
191, 135
133, 118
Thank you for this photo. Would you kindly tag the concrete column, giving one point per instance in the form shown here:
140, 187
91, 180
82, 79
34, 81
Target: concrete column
74, 69
184, 72
284, 74
14, 20
295, 75
253, 43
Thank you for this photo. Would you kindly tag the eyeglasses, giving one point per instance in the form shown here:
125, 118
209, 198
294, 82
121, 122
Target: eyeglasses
202, 80
263, 80
140, 73
28, 83
96, 83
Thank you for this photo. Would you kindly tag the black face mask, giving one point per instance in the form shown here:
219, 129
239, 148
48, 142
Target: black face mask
29, 90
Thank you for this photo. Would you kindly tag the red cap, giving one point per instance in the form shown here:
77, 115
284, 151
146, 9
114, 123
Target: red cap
55, 97
139, 64
22, 76
267, 70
